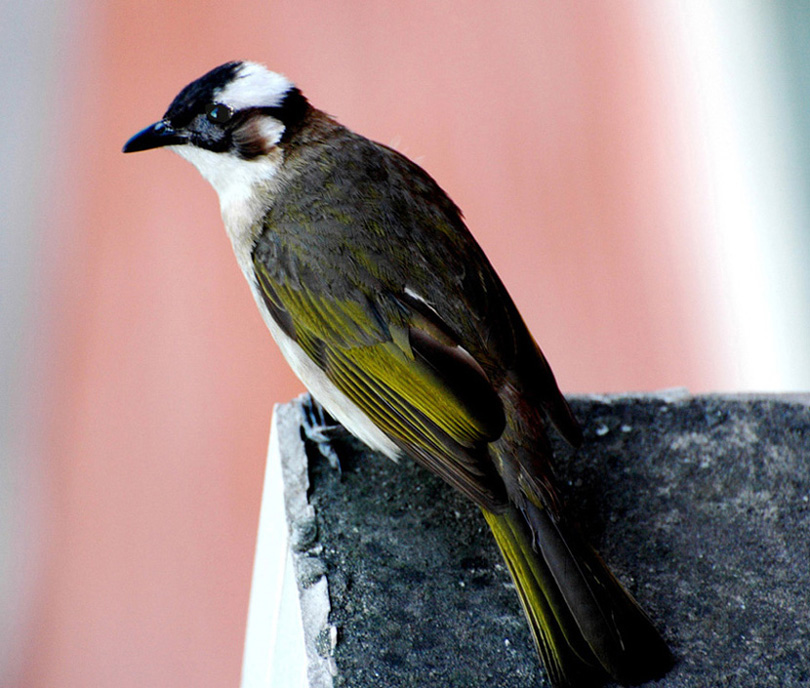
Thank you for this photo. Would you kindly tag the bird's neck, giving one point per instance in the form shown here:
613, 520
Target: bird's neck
246, 189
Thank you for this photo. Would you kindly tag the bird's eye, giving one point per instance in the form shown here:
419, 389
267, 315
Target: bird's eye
218, 113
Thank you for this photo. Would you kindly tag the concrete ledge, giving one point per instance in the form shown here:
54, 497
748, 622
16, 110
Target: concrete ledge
700, 505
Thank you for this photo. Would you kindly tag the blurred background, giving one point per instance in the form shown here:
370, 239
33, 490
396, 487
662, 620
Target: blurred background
637, 173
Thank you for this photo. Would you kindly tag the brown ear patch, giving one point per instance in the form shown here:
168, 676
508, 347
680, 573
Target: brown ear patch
257, 136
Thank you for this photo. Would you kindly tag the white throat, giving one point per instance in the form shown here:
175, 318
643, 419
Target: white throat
245, 189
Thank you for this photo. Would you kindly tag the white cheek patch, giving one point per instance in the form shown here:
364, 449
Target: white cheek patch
271, 130
255, 86
257, 137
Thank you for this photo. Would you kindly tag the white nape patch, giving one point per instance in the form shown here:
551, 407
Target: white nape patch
254, 86
324, 390
245, 189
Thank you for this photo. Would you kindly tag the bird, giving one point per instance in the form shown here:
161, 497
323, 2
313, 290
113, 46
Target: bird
390, 313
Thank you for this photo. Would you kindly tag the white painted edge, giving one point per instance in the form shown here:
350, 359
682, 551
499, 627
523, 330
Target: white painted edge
286, 619
274, 654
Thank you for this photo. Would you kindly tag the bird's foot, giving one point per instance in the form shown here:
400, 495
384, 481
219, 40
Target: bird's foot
321, 429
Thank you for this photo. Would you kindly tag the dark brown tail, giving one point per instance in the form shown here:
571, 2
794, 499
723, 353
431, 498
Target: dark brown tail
586, 626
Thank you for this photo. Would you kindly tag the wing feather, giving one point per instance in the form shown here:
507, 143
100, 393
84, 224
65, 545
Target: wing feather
422, 404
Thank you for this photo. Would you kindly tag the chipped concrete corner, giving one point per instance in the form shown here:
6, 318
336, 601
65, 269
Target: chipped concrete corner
313, 589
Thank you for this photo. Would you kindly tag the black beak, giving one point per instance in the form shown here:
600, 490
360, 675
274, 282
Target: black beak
157, 135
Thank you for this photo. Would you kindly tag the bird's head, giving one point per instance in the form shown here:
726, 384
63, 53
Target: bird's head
231, 119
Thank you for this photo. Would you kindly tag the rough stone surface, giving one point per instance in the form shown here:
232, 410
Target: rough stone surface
700, 505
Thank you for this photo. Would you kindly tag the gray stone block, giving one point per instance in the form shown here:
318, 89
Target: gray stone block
700, 505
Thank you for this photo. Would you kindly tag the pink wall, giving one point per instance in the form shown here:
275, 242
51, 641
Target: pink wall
549, 124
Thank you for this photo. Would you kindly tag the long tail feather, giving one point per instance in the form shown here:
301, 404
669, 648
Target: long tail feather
586, 626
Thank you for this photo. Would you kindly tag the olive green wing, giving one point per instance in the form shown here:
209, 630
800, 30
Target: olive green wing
404, 372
